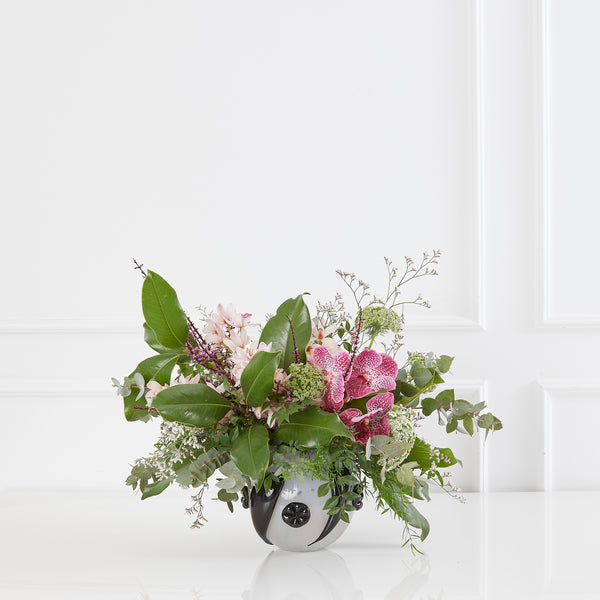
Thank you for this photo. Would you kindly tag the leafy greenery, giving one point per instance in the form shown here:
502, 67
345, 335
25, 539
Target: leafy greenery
163, 313
193, 404
253, 412
288, 331
250, 453
259, 376
312, 427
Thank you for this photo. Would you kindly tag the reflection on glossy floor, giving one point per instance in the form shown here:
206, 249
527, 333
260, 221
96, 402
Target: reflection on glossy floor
111, 546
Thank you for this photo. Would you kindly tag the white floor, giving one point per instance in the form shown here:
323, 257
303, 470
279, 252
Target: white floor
109, 545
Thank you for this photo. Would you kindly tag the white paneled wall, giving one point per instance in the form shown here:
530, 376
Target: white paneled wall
247, 150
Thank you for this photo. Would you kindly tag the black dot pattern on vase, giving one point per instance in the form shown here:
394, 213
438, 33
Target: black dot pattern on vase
296, 514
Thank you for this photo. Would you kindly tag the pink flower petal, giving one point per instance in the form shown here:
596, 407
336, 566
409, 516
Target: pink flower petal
388, 366
341, 361
347, 415
383, 382
322, 358
380, 427
367, 360
381, 403
335, 393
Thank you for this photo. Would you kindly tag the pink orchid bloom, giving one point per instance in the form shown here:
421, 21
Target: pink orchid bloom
374, 422
334, 367
371, 372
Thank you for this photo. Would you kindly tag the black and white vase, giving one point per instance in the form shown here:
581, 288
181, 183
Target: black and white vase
291, 515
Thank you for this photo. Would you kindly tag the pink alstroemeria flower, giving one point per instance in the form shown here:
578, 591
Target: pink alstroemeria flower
213, 332
371, 372
227, 315
334, 367
320, 336
374, 422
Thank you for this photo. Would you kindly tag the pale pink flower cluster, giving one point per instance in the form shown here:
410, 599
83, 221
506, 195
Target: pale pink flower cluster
228, 328
321, 336
154, 387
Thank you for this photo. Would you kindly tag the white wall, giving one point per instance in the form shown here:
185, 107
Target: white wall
245, 150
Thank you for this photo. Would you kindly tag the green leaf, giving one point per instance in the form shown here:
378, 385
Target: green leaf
312, 427
429, 405
150, 339
157, 368
155, 488
422, 376
259, 376
461, 407
451, 425
413, 517
422, 454
191, 404
278, 331
444, 363
226, 496
331, 502
477, 408
437, 378
196, 472
419, 490
250, 453
445, 398
485, 421
408, 390
405, 476
468, 424
323, 490
163, 312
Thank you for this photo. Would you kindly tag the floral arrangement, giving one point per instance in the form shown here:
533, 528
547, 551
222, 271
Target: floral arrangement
303, 396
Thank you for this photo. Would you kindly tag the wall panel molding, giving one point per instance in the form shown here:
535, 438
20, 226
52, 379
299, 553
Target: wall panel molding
549, 389
547, 317
474, 92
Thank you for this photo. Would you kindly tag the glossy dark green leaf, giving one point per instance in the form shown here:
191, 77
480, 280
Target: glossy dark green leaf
151, 340
191, 404
278, 331
163, 312
158, 368
250, 453
259, 376
312, 427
